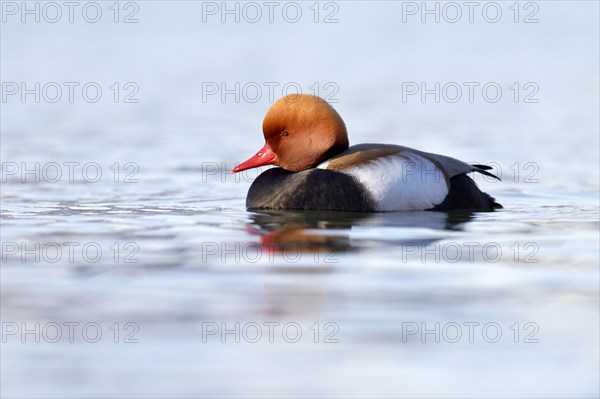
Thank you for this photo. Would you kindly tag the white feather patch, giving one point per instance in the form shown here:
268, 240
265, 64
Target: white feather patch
406, 182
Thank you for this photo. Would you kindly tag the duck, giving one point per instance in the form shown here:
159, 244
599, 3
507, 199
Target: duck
317, 170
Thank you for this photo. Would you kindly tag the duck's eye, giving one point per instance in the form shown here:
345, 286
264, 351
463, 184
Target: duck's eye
284, 133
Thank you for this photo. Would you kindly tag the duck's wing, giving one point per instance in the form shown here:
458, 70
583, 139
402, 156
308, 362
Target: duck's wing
363, 154
454, 167
396, 177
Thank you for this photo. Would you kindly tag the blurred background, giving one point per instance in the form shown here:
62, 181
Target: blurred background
131, 268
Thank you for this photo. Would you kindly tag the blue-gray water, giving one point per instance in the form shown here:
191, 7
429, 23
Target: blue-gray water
501, 304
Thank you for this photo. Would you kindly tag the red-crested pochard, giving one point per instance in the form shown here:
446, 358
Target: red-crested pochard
307, 139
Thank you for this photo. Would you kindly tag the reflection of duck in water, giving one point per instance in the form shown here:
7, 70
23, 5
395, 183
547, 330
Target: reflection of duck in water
330, 231
307, 139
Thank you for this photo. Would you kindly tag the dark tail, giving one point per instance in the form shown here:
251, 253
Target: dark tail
465, 195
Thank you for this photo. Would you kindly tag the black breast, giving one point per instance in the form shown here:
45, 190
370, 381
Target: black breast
313, 189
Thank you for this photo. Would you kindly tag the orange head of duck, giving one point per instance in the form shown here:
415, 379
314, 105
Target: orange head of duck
301, 131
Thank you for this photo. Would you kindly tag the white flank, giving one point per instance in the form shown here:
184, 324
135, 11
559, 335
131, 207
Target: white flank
400, 183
